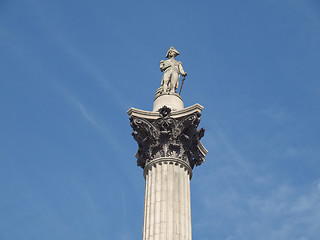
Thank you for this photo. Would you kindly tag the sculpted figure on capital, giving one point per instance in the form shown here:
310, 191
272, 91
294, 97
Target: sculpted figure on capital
172, 70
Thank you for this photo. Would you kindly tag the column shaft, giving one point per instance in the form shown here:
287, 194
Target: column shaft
167, 201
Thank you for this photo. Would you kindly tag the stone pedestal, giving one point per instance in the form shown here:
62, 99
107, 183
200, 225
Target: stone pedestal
169, 148
171, 100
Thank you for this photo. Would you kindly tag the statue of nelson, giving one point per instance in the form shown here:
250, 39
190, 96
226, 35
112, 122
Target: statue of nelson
172, 70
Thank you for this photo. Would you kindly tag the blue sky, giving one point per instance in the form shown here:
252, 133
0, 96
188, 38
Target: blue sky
71, 69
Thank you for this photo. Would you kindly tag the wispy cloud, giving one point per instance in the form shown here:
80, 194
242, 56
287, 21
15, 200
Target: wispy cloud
277, 114
220, 141
280, 211
240, 200
88, 116
292, 213
91, 118
97, 76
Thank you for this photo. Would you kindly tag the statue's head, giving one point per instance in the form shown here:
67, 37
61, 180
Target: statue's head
172, 52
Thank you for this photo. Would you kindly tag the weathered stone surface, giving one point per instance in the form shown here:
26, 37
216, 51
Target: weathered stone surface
167, 212
171, 100
169, 137
171, 69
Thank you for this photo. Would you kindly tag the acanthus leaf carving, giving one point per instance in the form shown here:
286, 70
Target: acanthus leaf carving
168, 137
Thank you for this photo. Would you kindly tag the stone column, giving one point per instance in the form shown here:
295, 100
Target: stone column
167, 212
169, 148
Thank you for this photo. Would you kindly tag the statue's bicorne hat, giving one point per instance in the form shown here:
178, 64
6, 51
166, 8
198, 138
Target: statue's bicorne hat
172, 49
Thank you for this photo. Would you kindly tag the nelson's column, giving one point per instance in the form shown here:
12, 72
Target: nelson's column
169, 148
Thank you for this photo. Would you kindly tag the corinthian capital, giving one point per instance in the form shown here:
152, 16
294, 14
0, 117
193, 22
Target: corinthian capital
168, 136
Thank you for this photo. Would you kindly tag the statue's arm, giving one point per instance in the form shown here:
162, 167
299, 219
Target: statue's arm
164, 65
182, 72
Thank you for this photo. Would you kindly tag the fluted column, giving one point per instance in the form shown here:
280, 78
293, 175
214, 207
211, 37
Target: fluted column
167, 213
